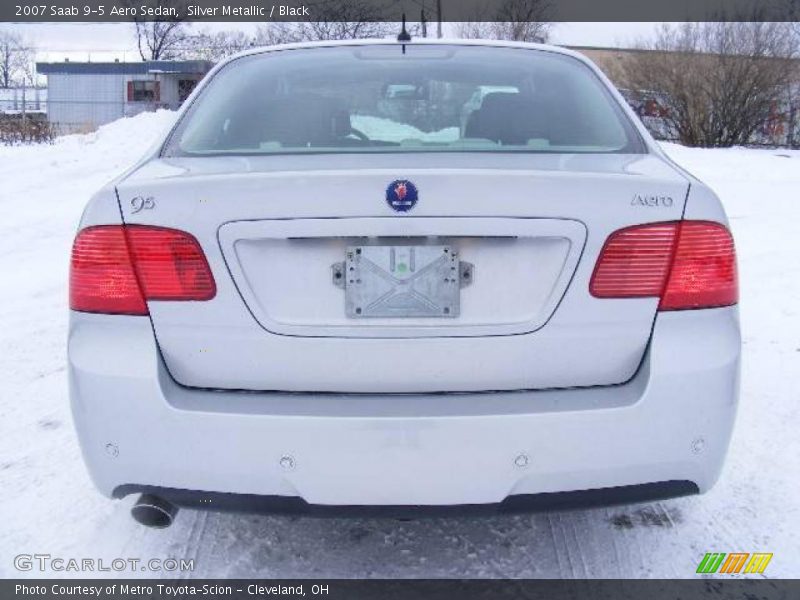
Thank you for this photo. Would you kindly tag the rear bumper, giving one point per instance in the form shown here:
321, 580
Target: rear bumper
671, 423
518, 503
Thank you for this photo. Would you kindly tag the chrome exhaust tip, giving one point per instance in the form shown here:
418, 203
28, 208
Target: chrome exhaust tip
153, 511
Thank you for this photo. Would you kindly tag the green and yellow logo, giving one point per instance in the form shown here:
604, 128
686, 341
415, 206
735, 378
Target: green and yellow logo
735, 562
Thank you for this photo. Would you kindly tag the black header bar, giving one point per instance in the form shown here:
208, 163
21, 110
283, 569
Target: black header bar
99, 11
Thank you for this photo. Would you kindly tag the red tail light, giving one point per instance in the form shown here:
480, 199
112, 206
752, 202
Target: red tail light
115, 269
170, 264
703, 273
101, 277
634, 262
688, 264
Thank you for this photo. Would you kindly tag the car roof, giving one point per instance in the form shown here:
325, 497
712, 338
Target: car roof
413, 42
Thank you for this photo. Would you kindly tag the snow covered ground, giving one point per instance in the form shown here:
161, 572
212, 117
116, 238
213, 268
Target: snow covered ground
48, 504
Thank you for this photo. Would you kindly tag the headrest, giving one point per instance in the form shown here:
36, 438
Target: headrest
508, 118
304, 119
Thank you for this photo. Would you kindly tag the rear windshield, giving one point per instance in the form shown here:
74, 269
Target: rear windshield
378, 99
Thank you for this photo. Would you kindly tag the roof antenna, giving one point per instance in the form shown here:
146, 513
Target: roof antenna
404, 36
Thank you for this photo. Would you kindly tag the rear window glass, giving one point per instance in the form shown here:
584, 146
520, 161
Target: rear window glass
378, 99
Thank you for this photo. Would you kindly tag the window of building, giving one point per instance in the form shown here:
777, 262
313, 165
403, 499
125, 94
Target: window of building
144, 91
185, 88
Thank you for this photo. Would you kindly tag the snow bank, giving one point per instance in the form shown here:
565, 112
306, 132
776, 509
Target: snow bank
124, 139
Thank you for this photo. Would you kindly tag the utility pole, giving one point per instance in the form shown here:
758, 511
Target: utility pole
424, 23
439, 19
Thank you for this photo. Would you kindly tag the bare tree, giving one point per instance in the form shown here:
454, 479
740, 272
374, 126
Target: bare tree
206, 45
336, 20
161, 40
16, 60
516, 20
720, 82
272, 34
347, 19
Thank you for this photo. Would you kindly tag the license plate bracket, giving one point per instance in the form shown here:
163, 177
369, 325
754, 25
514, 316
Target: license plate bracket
401, 281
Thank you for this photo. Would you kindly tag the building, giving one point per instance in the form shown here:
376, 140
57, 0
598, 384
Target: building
82, 96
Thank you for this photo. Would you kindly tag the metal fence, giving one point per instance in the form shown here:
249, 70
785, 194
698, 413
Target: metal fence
23, 100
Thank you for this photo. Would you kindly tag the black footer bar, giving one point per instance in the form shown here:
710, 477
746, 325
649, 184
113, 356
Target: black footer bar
384, 589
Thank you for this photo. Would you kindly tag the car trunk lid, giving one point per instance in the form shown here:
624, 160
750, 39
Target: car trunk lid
527, 228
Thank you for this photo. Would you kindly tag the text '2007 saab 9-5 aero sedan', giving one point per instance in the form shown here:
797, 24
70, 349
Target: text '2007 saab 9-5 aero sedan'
383, 277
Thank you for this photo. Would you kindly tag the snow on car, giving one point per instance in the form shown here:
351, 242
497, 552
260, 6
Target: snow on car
530, 307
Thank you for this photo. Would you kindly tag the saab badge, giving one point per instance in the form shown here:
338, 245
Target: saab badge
401, 195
